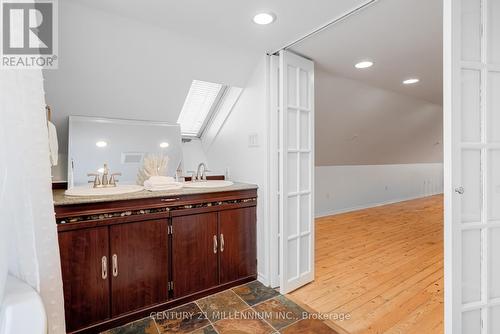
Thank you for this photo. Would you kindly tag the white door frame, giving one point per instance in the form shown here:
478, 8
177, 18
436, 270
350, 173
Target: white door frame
451, 86
273, 189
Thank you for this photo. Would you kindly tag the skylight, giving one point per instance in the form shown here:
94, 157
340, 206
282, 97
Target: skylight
200, 104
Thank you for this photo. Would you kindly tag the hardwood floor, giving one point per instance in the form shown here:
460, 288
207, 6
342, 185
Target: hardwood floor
382, 266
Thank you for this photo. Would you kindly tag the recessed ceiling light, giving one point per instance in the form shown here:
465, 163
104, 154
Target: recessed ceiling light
364, 64
411, 81
264, 18
101, 144
164, 145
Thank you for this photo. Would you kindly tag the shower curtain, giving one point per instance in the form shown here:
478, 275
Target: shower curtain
28, 237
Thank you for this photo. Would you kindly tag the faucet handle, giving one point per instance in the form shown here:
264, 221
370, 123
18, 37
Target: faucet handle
204, 176
113, 180
96, 180
193, 175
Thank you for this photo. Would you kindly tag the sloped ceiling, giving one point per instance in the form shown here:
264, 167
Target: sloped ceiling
229, 22
368, 117
402, 37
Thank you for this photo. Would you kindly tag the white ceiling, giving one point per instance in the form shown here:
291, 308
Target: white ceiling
402, 37
229, 22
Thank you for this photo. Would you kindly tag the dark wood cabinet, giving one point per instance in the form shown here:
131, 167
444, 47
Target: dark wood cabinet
139, 265
108, 271
122, 260
194, 253
238, 244
213, 248
84, 261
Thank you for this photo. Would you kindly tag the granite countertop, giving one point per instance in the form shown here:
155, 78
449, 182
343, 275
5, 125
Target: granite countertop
61, 199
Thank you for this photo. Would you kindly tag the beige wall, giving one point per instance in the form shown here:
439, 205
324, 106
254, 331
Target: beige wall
358, 124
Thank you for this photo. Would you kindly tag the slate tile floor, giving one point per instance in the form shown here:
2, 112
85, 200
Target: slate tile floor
251, 308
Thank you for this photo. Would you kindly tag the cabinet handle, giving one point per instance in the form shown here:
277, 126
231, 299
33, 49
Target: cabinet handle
169, 199
115, 265
222, 242
104, 267
215, 244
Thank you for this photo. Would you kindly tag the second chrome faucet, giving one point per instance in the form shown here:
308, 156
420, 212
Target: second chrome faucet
106, 180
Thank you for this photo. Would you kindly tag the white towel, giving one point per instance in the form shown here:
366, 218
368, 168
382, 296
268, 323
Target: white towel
161, 183
53, 145
159, 180
171, 186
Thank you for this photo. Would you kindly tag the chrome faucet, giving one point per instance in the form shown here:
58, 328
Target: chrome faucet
201, 175
96, 182
105, 172
104, 181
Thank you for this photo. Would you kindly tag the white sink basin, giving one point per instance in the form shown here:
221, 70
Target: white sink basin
208, 184
88, 191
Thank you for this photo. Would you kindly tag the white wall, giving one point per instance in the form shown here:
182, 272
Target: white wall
113, 66
347, 188
373, 146
231, 150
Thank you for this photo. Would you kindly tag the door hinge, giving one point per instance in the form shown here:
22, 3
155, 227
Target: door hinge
170, 286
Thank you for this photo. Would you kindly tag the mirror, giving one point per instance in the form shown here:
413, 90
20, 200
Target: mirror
122, 144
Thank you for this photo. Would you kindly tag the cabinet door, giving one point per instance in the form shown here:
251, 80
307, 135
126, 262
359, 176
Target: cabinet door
194, 253
85, 273
138, 265
238, 248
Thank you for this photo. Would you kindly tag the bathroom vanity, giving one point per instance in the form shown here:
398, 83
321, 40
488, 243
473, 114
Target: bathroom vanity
125, 256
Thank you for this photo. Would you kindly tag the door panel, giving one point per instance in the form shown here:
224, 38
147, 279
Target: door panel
495, 319
471, 180
471, 322
140, 277
471, 268
194, 253
471, 30
86, 286
296, 171
493, 115
237, 244
494, 33
471, 103
472, 140
494, 264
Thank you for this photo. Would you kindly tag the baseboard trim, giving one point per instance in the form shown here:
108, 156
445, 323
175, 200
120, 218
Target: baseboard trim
263, 279
371, 205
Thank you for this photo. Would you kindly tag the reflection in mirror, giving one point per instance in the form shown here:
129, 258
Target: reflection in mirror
121, 144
